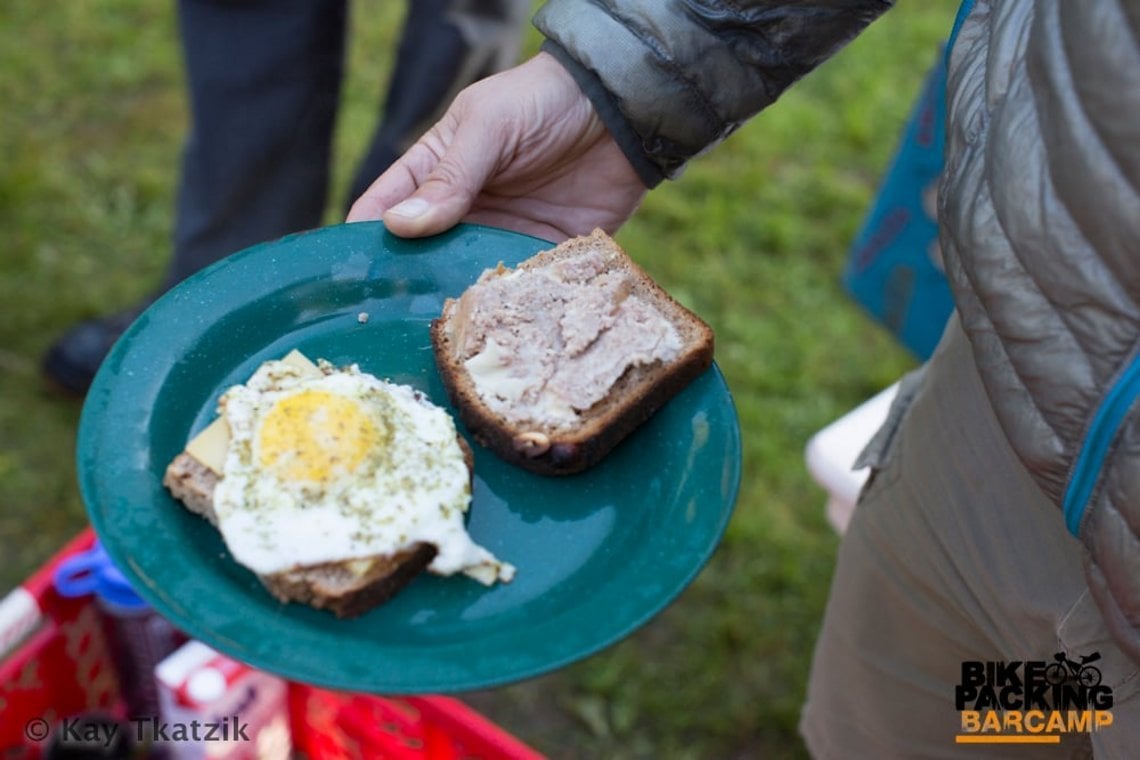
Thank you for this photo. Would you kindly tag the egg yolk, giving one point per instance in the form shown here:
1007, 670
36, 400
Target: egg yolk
314, 435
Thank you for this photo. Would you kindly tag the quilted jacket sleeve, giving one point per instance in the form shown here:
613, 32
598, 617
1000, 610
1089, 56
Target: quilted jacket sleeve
671, 78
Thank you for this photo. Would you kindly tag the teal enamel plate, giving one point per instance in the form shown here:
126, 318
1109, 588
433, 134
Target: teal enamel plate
598, 554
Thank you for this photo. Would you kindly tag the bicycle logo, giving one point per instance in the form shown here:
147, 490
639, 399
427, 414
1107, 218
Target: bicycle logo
1067, 669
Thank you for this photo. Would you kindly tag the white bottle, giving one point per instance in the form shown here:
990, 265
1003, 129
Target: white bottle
216, 708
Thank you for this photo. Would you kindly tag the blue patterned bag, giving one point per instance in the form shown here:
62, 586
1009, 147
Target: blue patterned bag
894, 269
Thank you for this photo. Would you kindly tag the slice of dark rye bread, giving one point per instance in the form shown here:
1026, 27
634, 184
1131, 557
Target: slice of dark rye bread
633, 399
347, 589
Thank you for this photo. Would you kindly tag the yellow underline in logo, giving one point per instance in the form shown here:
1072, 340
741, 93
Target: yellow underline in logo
996, 739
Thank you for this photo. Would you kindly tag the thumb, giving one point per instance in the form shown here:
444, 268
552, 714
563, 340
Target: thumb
438, 204
449, 190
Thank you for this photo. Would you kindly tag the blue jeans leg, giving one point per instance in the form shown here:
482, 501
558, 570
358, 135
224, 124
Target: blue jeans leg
264, 82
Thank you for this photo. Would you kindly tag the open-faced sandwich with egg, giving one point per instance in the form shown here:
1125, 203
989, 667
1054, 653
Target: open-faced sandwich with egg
334, 487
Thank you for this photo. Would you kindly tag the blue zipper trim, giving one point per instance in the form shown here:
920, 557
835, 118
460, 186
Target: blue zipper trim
963, 11
1105, 424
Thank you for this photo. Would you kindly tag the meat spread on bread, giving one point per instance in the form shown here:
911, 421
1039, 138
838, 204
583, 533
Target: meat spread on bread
333, 487
551, 364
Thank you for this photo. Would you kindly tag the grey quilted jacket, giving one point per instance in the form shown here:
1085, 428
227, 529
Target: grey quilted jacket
1040, 205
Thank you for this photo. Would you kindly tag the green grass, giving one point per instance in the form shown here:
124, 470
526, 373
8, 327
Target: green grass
753, 237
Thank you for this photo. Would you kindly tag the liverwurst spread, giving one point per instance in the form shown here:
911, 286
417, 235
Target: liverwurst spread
543, 344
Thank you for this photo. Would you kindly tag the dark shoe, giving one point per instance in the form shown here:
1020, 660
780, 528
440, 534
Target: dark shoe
71, 363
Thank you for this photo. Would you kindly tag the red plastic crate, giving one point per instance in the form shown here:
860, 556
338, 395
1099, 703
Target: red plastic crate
62, 668
329, 726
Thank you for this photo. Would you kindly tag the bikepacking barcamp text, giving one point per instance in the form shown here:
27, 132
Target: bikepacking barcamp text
1031, 701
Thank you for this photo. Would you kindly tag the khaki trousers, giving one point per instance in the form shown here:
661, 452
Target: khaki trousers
954, 557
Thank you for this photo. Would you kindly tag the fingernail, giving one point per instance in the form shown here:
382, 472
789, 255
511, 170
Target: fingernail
410, 208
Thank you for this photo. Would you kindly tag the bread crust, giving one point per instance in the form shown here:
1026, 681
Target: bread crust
633, 399
347, 589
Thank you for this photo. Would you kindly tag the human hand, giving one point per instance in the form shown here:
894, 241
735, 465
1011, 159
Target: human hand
524, 150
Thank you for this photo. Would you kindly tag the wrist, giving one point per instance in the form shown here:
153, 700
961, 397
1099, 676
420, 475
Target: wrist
608, 112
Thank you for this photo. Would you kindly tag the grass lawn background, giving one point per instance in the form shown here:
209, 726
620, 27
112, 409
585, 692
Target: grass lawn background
753, 237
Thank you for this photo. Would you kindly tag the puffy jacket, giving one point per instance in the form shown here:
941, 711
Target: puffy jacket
1040, 206
673, 77
1041, 234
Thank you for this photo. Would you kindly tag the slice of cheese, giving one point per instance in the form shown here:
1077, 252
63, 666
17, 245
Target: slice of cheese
209, 446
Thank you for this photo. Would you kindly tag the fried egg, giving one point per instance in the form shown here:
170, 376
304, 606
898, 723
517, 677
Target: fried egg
337, 465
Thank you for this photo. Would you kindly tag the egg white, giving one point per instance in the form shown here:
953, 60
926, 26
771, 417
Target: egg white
376, 470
